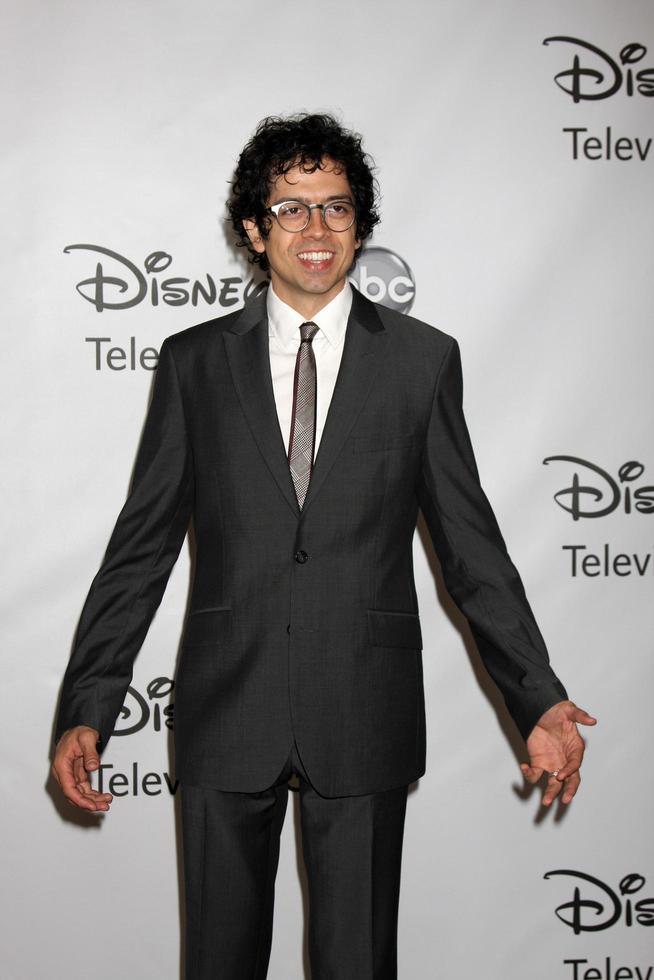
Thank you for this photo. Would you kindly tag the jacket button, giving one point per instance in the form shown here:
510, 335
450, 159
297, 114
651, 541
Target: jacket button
301, 557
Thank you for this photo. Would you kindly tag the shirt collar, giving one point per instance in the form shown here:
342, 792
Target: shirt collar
284, 321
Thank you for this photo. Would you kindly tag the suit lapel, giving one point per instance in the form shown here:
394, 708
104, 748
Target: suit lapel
247, 347
365, 343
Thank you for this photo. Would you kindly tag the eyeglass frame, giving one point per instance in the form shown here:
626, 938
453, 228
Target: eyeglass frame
274, 208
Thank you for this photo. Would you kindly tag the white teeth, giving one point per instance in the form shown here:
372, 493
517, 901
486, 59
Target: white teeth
315, 256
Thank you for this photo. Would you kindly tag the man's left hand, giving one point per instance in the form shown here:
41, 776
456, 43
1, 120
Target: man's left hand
555, 747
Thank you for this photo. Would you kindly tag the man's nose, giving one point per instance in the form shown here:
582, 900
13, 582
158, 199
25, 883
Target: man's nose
316, 227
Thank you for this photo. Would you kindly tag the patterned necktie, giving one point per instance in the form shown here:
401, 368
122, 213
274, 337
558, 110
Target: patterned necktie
303, 419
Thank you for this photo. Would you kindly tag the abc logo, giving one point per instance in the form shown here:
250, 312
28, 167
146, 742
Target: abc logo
385, 278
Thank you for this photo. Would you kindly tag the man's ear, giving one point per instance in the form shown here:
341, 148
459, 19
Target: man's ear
254, 235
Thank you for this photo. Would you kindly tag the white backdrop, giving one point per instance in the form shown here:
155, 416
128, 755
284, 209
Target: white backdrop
122, 124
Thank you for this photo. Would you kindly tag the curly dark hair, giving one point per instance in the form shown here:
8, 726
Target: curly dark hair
282, 142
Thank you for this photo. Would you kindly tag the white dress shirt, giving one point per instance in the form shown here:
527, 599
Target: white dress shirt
284, 339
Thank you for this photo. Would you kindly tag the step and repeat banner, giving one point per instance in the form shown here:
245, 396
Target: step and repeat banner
515, 152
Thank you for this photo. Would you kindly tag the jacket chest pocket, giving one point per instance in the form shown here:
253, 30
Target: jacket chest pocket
383, 443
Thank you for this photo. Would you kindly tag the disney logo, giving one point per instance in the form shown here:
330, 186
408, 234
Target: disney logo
124, 279
600, 494
601, 907
137, 710
581, 82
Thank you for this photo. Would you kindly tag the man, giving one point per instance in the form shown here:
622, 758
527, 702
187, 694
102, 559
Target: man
302, 434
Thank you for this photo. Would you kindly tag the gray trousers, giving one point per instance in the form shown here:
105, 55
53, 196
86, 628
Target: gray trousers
352, 849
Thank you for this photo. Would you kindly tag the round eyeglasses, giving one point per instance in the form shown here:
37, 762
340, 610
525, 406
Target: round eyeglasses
295, 216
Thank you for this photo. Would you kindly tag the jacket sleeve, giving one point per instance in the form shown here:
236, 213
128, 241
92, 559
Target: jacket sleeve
143, 548
477, 570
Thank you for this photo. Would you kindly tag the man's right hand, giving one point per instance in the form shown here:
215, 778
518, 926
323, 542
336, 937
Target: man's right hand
76, 756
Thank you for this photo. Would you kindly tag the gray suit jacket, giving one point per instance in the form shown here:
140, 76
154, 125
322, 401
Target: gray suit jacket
304, 624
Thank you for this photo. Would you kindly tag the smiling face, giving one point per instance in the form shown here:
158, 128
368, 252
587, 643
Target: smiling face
308, 268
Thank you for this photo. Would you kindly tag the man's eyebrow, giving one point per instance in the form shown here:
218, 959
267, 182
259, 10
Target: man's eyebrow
305, 200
